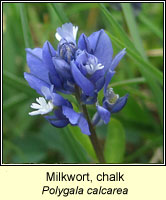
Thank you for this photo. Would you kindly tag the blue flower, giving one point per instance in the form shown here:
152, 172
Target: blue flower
58, 111
67, 32
84, 67
98, 44
88, 73
112, 103
93, 64
93, 58
48, 68
67, 46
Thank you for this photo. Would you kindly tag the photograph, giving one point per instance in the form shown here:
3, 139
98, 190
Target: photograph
83, 83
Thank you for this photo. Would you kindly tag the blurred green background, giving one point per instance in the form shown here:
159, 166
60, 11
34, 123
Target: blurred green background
135, 135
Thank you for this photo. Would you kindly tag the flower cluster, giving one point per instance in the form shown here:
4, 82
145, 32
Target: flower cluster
86, 66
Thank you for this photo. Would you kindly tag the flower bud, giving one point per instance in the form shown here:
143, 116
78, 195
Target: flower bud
67, 51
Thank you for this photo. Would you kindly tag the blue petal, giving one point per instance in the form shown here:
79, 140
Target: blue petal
36, 65
56, 81
58, 100
63, 68
58, 113
47, 54
58, 119
83, 43
71, 115
68, 87
35, 82
81, 59
120, 103
109, 76
102, 47
89, 100
104, 114
82, 81
117, 59
97, 75
47, 92
59, 123
83, 124
100, 83
76, 119
96, 118
66, 32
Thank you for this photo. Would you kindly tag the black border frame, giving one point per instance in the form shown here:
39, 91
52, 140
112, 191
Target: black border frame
164, 150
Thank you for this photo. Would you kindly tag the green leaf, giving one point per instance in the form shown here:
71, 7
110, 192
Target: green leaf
149, 24
61, 141
60, 12
17, 83
115, 27
135, 92
33, 148
143, 66
11, 148
125, 42
75, 146
131, 23
78, 7
144, 148
128, 82
14, 101
25, 26
115, 142
84, 141
132, 26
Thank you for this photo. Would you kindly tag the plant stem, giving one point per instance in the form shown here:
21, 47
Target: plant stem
93, 136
